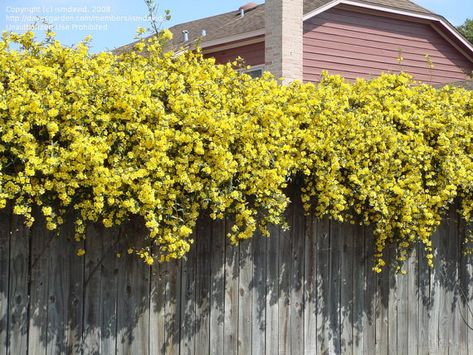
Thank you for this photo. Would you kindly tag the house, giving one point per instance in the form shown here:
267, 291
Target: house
298, 39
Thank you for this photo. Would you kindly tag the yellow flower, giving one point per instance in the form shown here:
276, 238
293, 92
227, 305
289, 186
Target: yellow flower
166, 35
140, 31
47, 211
53, 112
53, 128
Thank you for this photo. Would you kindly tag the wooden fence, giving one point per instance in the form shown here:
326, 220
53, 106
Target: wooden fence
309, 290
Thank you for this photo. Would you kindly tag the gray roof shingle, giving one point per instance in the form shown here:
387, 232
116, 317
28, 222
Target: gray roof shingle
310, 5
466, 84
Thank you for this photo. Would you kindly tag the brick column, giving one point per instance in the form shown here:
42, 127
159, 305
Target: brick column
284, 38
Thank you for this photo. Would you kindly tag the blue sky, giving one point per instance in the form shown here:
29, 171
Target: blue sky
113, 22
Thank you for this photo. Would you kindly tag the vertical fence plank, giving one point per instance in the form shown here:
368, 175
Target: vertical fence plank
346, 289
451, 282
464, 278
245, 297
435, 332
382, 310
359, 281
109, 289
231, 296
393, 303
187, 300
202, 289
285, 272
414, 296
334, 283
125, 316
92, 290
324, 334
402, 337
159, 280
258, 292
18, 287
425, 302
468, 291
370, 294
173, 307
217, 291
5, 218
446, 272
38, 303
56, 289
74, 302
272, 291
296, 301
310, 288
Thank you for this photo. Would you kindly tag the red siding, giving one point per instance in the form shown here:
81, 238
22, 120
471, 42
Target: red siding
253, 54
355, 44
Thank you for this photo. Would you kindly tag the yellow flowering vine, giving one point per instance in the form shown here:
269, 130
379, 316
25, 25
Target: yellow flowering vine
166, 136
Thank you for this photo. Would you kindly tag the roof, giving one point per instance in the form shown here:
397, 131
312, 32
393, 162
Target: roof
406, 5
466, 84
231, 24
221, 26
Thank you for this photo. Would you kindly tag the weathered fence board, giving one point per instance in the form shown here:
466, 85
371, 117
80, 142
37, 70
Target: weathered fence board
346, 289
18, 288
284, 302
296, 281
231, 297
368, 324
38, 304
307, 290
359, 288
5, 219
108, 271
187, 301
217, 288
310, 286
92, 292
157, 333
272, 252
202, 288
245, 298
323, 332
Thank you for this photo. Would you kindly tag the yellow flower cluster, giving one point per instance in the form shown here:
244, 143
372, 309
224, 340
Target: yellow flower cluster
388, 152
167, 136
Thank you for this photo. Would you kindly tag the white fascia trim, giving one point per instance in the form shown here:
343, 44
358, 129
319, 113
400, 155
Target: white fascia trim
234, 38
444, 23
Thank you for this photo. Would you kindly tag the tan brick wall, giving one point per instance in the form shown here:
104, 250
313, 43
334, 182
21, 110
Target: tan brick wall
284, 38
